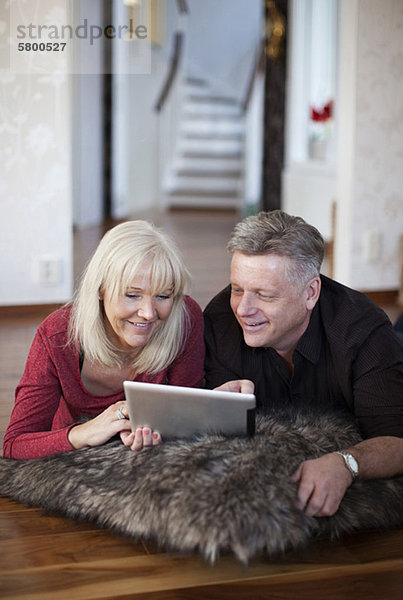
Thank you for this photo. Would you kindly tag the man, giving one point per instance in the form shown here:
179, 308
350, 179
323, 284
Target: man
307, 342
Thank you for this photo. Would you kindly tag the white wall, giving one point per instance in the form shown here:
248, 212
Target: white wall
135, 123
35, 181
143, 121
370, 195
309, 185
223, 37
309, 191
87, 122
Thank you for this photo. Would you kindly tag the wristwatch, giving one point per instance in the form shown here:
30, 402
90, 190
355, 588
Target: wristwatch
351, 463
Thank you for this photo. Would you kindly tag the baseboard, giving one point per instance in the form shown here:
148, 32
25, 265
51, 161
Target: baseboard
203, 209
28, 310
384, 297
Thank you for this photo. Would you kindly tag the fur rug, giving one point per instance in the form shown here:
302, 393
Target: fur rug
211, 494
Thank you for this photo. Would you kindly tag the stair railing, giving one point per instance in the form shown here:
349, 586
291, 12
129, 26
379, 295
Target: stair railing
173, 69
257, 72
169, 100
253, 108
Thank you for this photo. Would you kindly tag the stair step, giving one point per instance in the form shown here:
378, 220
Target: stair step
208, 167
204, 148
189, 172
207, 97
203, 185
210, 154
212, 117
211, 136
212, 202
211, 110
195, 82
213, 129
203, 194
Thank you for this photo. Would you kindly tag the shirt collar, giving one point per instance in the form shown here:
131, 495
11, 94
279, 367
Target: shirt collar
309, 346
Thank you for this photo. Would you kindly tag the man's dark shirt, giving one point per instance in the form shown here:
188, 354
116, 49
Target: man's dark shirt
348, 359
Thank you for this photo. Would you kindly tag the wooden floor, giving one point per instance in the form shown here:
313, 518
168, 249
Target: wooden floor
51, 558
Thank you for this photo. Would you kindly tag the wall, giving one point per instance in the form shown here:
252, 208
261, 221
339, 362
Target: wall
87, 122
309, 184
223, 38
141, 136
370, 194
135, 123
309, 190
35, 182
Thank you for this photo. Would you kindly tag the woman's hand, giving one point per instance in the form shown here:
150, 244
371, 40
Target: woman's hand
142, 437
243, 386
101, 428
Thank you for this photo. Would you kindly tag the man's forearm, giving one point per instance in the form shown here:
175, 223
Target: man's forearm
322, 482
378, 457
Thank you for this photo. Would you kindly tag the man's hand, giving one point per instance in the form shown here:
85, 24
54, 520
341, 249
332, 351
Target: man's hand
324, 481
322, 484
244, 386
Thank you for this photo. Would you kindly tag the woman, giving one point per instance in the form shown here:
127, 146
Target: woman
130, 319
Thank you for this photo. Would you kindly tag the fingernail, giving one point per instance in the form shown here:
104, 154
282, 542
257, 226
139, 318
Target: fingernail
146, 431
156, 435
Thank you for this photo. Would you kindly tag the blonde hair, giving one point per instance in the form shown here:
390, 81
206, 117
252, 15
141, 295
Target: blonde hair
121, 253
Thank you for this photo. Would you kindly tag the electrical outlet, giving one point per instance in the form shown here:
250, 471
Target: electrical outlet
49, 269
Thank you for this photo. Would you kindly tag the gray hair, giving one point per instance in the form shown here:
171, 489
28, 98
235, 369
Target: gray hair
276, 232
121, 253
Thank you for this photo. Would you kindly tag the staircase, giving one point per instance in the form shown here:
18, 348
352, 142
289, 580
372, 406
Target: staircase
206, 169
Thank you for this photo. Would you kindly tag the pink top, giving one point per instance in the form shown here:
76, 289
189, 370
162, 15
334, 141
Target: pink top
50, 397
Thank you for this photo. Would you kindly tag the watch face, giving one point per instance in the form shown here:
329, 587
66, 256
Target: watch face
352, 463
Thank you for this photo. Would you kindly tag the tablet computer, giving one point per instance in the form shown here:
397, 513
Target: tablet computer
182, 412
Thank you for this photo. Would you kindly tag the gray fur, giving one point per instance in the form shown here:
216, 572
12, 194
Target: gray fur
211, 494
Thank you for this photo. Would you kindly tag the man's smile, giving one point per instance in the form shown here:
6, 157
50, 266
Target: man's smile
252, 324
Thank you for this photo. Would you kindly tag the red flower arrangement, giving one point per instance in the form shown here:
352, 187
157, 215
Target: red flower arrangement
320, 130
323, 114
